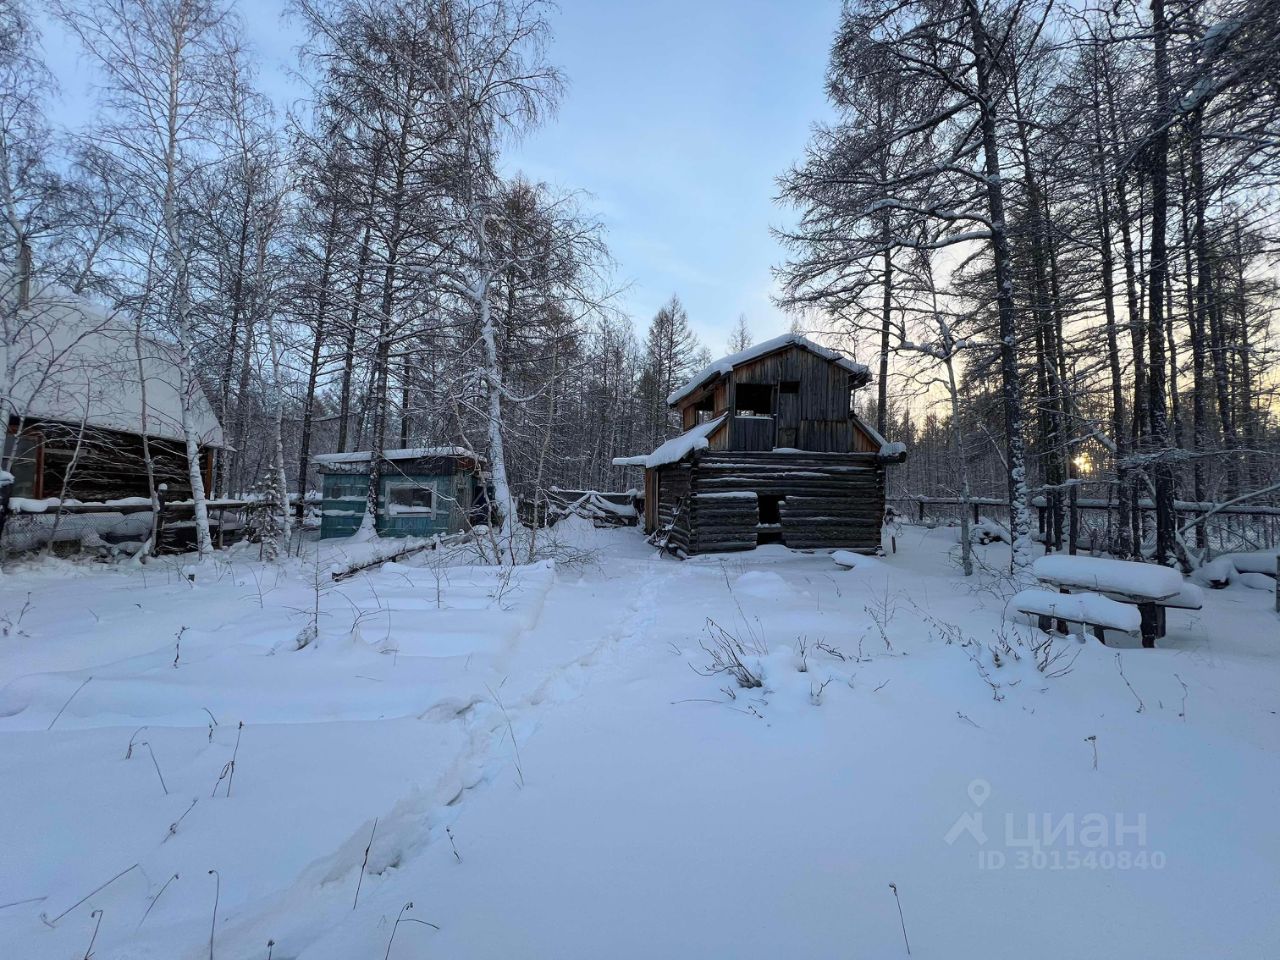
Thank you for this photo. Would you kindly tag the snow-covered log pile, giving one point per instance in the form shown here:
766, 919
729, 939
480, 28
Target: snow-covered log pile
604, 509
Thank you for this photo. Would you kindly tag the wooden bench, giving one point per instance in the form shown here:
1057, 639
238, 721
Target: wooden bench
1091, 610
1152, 589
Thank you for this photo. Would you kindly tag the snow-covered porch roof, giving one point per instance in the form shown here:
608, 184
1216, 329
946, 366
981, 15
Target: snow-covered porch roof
677, 448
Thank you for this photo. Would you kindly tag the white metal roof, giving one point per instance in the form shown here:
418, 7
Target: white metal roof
75, 361
406, 453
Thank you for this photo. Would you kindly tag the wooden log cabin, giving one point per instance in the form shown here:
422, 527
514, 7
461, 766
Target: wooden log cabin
772, 452
83, 389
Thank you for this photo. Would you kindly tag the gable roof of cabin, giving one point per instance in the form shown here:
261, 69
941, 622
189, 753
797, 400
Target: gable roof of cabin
725, 365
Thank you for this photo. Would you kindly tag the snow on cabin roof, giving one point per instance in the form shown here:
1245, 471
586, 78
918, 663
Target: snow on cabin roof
407, 453
77, 362
725, 364
677, 448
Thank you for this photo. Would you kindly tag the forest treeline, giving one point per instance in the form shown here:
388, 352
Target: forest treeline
359, 273
1058, 223
1054, 226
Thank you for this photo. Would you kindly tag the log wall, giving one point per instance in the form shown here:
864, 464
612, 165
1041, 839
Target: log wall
671, 506
825, 500
722, 521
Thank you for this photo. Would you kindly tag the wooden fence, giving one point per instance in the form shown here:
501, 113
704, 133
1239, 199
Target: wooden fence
1239, 526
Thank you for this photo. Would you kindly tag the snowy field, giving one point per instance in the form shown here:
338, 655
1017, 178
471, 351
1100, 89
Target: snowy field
543, 764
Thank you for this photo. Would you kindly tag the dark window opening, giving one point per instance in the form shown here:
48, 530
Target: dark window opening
705, 409
753, 400
769, 509
789, 386
769, 525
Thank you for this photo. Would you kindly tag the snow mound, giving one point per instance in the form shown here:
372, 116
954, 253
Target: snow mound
762, 583
1255, 569
857, 561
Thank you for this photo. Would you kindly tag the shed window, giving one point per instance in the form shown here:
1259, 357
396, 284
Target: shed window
789, 386
410, 499
753, 400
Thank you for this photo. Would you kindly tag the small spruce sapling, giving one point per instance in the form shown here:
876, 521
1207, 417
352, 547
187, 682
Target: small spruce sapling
264, 517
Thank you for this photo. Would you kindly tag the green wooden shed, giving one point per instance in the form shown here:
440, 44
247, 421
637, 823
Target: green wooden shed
422, 491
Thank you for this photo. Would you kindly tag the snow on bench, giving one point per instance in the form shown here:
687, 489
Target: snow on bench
1150, 587
1189, 597
1140, 581
1090, 609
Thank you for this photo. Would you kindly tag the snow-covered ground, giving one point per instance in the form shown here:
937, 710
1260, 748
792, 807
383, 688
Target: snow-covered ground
546, 769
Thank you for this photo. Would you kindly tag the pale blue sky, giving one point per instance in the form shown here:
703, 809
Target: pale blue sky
678, 116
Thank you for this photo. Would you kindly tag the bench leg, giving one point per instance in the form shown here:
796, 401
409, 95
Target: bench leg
1044, 623
1101, 634
1150, 628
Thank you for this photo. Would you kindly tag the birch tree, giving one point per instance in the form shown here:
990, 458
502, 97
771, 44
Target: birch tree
161, 66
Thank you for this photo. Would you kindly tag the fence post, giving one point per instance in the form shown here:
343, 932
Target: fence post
1073, 519
160, 498
921, 507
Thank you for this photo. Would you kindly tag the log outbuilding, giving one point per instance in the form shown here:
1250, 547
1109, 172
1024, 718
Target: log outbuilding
80, 389
772, 452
